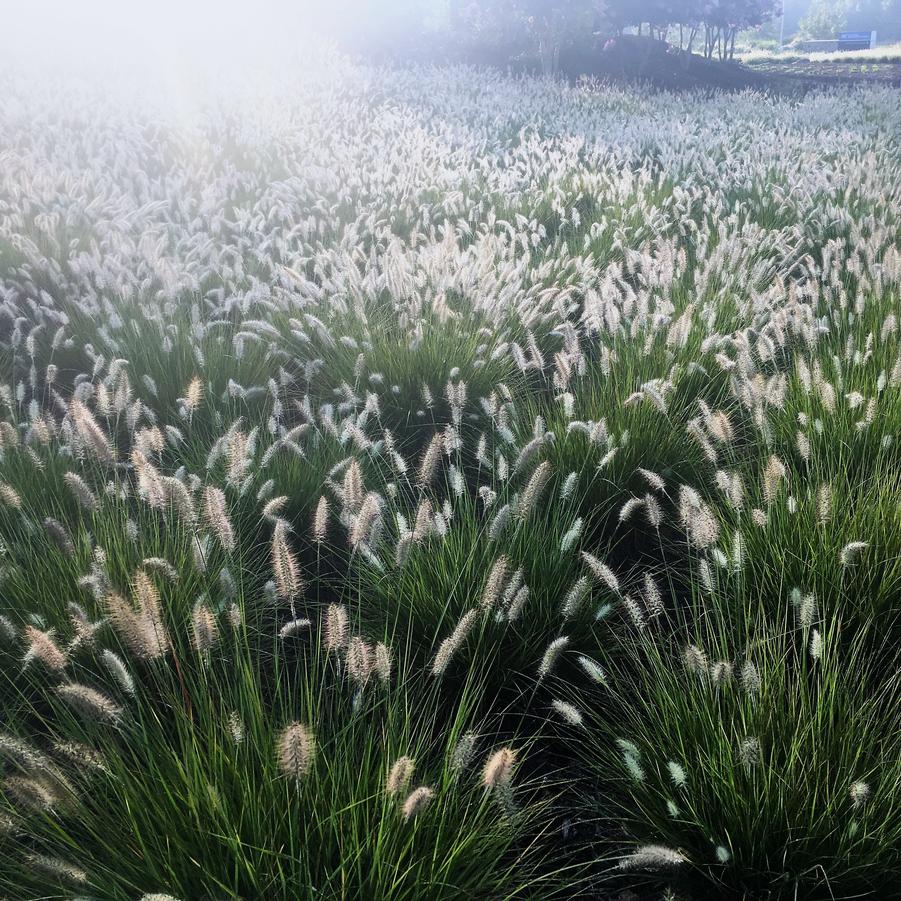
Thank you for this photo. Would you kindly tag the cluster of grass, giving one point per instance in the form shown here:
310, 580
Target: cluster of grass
887, 53
518, 522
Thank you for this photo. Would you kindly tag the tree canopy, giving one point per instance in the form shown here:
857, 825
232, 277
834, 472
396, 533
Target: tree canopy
546, 26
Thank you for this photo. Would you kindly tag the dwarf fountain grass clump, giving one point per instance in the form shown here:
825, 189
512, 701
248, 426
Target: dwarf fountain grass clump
760, 761
246, 760
331, 482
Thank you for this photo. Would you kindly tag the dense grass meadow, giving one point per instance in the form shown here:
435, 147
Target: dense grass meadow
432, 484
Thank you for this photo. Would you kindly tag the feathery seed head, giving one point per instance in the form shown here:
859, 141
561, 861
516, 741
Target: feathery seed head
417, 802
89, 702
569, 712
296, 750
498, 770
335, 627
653, 857
860, 793
553, 652
851, 551
204, 630
42, 647
399, 776
284, 564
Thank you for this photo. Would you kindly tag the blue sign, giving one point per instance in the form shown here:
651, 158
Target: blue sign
856, 40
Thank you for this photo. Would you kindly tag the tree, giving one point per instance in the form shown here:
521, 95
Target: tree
554, 23
720, 19
542, 27
723, 19
824, 18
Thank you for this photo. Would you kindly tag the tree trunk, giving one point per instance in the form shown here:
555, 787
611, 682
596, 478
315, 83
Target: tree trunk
548, 53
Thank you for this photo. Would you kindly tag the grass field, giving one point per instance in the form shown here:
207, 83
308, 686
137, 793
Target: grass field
431, 484
880, 64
